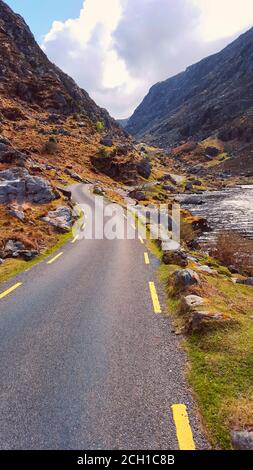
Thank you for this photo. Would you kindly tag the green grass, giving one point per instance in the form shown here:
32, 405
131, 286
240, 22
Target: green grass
12, 267
220, 360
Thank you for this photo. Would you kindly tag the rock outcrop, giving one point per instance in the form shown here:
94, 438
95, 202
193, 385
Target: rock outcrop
18, 185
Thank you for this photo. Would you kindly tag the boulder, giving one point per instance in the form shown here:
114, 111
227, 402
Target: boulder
178, 257
246, 282
73, 175
17, 213
200, 320
212, 151
242, 440
189, 186
17, 184
168, 187
191, 302
62, 219
137, 195
185, 278
144, 168
16, 249
107, 141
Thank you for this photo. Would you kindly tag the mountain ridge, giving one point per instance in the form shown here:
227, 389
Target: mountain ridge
217, 87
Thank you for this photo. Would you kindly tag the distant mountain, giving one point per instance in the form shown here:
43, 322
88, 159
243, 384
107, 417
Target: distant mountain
122, 122
27, 74
214, 95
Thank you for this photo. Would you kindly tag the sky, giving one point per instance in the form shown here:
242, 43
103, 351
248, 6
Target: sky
117, 49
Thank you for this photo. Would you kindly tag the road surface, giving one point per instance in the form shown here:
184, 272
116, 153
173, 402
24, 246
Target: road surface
85, 363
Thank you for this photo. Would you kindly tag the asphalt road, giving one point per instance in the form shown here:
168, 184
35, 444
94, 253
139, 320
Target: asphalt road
85, 363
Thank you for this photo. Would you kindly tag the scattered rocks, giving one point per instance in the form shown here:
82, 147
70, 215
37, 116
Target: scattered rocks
168, 187
62, 219
65, 192
185, 278
242, 440
18, 185
178, 257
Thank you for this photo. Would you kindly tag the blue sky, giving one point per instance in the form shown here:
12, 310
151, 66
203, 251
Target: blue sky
40, 14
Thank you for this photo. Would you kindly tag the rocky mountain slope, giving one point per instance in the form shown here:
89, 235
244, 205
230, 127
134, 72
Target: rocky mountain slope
212, 96
27, 74
52, 134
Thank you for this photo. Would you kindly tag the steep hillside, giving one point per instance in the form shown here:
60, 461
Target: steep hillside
27, 74
52, 134
203, 100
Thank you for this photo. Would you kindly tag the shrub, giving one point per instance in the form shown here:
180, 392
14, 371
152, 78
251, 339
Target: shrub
51, 146
100, 126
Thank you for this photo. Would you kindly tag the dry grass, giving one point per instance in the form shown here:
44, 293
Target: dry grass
231, 249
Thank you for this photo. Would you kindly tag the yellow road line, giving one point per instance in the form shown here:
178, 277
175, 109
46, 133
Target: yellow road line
183, 427
146, 258
141, 240
11, 289
154, 296
55, 258
75, 239
133, 226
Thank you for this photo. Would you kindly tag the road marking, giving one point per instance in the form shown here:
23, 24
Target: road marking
154, 296
133, 226
146, 258
183, 427
11, 289
141, 240
55, 258
75, 239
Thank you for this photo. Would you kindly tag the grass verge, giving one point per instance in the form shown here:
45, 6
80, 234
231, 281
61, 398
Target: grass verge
12, 267
221, 359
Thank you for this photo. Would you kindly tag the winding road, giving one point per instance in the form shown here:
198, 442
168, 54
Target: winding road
85, 362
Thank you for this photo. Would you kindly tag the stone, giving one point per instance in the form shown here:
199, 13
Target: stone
189, 186
178, 257
144, 168
185, 278
18, 185
65, 192
73, 175
17, 213
98, 191
200, 320
212, 151
246, 282
168, 187
138, 195
242, 440
107, 141
62, 219
206, 269
190, 302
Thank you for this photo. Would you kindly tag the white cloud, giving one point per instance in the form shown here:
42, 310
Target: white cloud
117, 49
